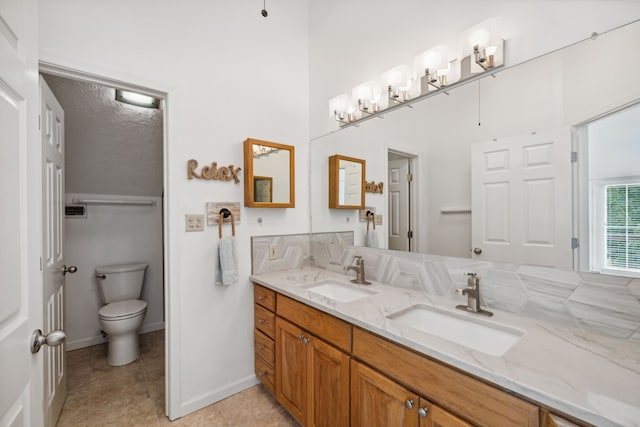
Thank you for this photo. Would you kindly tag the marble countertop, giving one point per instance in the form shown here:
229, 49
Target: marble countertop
589, 376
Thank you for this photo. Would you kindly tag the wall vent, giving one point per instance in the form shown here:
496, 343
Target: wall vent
75, 211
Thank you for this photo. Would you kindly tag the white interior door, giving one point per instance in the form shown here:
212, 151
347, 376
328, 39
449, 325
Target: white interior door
521, 199
399, 205
52, 132
21, 295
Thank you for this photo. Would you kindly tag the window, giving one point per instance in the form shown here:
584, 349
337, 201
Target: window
622, 227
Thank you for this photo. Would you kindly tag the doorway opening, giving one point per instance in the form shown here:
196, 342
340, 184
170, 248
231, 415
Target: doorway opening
113, 203
607, 193
401, 201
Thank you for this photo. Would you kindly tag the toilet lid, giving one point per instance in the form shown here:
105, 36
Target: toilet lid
127, 308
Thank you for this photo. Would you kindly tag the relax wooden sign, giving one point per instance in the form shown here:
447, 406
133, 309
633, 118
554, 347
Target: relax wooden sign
223, 173
372, 187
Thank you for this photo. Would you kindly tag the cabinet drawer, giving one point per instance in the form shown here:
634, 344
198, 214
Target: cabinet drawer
329, 328
265, 373
264, 347
481, 403
264, 320
265, 297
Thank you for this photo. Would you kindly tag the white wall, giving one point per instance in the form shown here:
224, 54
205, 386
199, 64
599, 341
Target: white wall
111, 234
229, 74
614, 145
552, 91
355, 41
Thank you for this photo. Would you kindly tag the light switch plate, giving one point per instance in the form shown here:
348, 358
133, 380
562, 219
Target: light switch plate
194, 222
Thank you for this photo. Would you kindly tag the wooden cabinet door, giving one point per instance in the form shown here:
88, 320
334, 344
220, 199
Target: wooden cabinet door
376, 401
291, 383
434, 416
328, 384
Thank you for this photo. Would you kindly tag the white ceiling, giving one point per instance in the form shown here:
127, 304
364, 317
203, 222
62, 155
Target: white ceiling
111, 147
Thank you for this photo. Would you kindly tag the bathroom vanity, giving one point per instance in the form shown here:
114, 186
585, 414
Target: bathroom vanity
334, 356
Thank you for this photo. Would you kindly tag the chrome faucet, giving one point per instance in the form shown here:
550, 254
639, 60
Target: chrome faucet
472, 291
359, 269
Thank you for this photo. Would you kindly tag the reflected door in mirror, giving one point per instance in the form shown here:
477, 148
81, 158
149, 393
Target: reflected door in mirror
346, 182
269, 168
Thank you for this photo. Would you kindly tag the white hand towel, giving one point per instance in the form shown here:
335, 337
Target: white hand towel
227, 271
371, 239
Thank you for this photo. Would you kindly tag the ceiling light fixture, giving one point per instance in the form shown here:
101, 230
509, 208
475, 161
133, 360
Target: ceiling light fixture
137, 99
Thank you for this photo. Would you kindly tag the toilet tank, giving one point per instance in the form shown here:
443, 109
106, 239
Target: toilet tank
120, 282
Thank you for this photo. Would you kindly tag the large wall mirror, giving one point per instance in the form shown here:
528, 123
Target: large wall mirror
269, 174
538, 164
346, 182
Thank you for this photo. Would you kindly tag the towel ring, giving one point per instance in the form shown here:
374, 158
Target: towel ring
226, 213
371, 217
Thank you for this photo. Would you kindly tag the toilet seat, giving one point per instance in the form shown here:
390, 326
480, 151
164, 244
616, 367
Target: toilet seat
122, 310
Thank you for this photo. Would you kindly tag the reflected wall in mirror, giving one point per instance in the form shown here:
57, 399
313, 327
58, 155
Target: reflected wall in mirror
269, 174
559, 97
346, 182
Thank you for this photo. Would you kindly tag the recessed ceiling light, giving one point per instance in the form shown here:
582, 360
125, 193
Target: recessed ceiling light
138, 99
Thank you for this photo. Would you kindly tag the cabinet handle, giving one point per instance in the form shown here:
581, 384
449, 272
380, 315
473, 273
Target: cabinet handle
300, 337
261, 298
306, 340
408, 404
423, 412
262, 374
261, 321
260, 347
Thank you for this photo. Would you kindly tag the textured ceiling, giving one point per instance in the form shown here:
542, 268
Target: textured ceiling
111, 147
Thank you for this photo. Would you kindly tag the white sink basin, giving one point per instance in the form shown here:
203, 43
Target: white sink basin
339, 291
484, 336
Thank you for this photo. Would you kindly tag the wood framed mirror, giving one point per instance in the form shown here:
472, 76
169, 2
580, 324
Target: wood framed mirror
346, 182
269, 174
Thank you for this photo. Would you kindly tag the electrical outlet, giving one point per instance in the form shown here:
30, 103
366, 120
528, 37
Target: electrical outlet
273, 252
194, 222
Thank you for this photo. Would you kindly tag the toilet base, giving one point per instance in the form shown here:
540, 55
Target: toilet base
123, 349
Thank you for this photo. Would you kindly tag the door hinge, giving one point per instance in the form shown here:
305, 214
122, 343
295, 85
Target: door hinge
410, 177
39, 120
574, 243
410, 234
574, 156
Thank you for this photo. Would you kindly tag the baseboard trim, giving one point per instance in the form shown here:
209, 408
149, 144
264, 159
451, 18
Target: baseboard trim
91, 341
217, 395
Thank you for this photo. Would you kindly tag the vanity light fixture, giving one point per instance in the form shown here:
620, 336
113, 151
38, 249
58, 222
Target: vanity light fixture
481, 51
263, 150
398, 83
341, 109
367, 98
137, 99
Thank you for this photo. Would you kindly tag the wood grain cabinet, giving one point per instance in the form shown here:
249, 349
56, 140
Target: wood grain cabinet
313, 377
377, 401
264, 318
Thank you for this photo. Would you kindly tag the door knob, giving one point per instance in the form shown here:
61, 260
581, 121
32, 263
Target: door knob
477, 251
408, 403
53, 339
71, 269
423, 412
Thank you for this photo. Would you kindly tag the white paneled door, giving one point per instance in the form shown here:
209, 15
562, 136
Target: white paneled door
399, 205
21, 292
521, 199
54, 270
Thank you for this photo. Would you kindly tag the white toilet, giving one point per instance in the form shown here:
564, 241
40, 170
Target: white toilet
120, 289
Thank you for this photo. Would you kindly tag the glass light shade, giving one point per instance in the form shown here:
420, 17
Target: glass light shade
395, 77
338, 105
452, 72
434, 59
486, 33
363, 92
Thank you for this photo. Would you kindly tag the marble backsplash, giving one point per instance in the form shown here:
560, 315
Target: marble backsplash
609, 305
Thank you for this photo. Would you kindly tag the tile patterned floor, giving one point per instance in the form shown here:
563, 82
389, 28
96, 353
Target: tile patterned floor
133, 395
